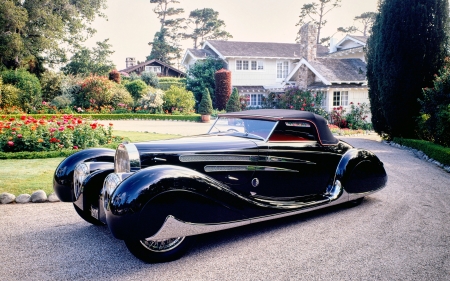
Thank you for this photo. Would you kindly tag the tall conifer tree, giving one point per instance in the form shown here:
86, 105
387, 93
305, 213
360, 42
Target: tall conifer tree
407, 47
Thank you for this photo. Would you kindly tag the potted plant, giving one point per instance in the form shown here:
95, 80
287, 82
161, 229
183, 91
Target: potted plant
205, 107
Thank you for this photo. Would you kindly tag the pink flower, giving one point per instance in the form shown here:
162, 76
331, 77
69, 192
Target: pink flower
75, 147
302, 108
61, 129
10, 143
79, 109
19, 136
44, 103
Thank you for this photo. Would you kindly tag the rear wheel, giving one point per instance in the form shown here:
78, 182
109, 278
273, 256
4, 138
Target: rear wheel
160, 250
87, 216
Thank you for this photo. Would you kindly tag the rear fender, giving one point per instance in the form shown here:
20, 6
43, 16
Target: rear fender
360, 172
63, 177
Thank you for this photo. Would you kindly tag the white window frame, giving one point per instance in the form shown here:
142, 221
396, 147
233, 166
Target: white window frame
249, 65
340, 98
282, 69
255, 100
152, 68
238, 64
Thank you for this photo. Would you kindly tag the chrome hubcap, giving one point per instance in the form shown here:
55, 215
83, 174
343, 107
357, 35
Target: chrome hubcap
162, 245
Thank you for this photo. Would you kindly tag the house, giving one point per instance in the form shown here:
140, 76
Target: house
260, 68
160, 68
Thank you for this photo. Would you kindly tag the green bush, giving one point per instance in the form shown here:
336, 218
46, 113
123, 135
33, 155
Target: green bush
137, 89
205, 106
120, 96
356, 118
30, 93
51, 84
150, 78
131, 116
179, 99
435, 151
62, 101
9, 96
234, 103
152, 101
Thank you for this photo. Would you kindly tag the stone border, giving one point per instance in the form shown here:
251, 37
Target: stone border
419, 154
37, 197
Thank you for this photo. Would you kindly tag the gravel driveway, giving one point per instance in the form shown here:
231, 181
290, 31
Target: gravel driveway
399, 233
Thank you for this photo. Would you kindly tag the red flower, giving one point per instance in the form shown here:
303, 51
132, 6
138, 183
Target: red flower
12, 119
54, 140
10, 143
94, 126
23, 117
75, 147
111, 124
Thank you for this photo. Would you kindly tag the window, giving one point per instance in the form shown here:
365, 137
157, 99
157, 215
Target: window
238, 65
282, 69
255, 100
156, 69
249, 65
340, 98
245, 65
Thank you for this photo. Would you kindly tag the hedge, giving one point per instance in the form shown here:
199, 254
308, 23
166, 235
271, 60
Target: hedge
125, 116
435, 151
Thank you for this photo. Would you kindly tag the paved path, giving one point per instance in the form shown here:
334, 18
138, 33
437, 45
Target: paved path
399, 233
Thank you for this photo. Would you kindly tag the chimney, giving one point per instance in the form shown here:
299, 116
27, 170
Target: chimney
308, 51
129, 62
308, 39
333, 47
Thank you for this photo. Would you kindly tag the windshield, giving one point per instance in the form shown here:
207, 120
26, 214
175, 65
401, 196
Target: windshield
252, 128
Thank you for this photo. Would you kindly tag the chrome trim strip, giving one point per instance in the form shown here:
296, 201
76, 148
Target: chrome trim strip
234, 168
217, 157
174, 227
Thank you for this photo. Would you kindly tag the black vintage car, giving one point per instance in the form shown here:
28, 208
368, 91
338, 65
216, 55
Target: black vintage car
250, 167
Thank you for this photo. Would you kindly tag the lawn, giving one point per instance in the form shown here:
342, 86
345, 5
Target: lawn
28, 175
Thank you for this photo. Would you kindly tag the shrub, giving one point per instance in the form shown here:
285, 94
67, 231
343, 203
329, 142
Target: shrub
30, 88
432, 150
71, 85
295, 98
180, 99
137, 89
234, 103
95, 92
166, 82
120, 96
51, 84
356, 118
114, 75
152, 101
29, 134
338, 117
9, 97
150, 78
223, 88
205, 106
62, 101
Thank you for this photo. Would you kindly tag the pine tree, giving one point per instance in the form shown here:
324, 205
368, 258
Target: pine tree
407, 47
205, 106
233, 103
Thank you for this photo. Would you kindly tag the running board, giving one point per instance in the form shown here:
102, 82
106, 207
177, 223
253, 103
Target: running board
173, 227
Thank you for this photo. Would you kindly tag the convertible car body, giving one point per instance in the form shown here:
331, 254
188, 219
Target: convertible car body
250, 167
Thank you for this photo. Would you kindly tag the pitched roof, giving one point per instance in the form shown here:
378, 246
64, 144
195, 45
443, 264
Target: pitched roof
199, 53
359, 38
134, 67
260, 49
340, 70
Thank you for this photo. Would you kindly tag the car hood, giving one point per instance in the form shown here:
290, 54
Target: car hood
201, 143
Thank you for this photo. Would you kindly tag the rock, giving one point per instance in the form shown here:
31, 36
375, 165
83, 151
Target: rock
23, 198
53, 198
38, 196
6, 198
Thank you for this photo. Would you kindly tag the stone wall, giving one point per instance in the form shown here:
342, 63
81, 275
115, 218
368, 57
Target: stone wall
308, 50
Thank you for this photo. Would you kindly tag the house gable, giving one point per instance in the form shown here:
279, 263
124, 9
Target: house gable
166, 70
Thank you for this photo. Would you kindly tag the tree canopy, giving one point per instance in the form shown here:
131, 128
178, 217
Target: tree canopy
205, 25
95, 61
316, 12
40, 31
407, 47
166, 42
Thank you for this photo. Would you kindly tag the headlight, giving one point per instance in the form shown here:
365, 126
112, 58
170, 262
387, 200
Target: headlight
110, 184
127, 158
81, 172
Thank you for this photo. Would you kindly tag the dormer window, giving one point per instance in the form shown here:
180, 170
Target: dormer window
156, 69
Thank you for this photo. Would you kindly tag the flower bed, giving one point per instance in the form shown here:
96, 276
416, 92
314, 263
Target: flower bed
51, 133
345, 131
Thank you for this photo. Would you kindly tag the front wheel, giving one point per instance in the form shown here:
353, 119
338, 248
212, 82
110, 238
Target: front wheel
160, 250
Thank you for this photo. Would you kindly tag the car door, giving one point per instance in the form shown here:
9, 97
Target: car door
296, 165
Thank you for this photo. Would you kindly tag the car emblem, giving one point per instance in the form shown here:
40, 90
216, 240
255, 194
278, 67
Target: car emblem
255, 182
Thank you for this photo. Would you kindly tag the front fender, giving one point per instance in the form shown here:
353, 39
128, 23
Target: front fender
63, 177
141, 203
360, 171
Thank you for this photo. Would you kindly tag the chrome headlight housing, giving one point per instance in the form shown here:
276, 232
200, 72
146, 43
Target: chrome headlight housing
127, 158
80, 173
110, 184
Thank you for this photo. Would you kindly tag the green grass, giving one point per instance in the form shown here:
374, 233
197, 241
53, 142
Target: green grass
20, 176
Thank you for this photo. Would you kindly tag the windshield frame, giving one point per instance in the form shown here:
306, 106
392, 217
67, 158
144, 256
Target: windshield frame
243, 134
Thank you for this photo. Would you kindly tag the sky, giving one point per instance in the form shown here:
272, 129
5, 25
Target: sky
131, 24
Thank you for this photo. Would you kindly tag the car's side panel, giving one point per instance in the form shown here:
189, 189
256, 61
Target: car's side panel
63, 177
